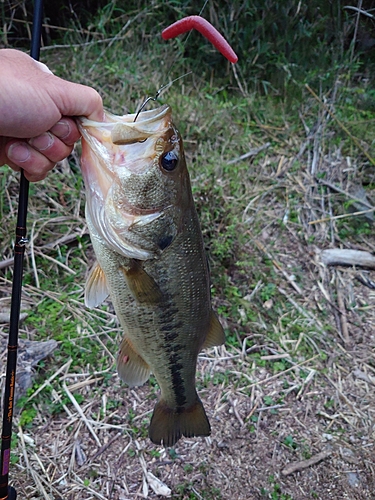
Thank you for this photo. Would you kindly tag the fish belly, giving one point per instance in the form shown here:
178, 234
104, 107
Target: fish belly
164, 307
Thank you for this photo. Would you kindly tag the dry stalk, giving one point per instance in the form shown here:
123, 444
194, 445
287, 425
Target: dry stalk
341, 125
82, 415
342, 311
250, 154
273, 377
49, 380
342, 216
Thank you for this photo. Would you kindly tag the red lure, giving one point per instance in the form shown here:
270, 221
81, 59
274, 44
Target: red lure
206, 29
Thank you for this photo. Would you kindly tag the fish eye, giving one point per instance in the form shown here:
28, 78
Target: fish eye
169, 161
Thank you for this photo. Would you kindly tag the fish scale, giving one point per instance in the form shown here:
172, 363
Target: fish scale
151, 261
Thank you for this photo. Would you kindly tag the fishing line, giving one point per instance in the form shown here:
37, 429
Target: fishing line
156, 96
167, 85
183, 46
8, 492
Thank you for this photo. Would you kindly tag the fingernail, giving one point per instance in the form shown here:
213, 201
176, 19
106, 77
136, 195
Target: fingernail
19, 152
61, 129
42, 142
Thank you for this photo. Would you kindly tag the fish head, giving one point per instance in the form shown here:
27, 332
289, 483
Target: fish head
137, 183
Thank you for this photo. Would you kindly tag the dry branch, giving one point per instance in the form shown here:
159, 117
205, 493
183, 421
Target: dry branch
298, 466
345, 257
360, 11
249, 154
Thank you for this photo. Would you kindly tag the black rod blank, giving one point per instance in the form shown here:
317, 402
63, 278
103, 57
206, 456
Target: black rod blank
8, 492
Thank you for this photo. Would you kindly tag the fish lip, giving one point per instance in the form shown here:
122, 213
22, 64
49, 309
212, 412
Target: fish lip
123, 130
144, 117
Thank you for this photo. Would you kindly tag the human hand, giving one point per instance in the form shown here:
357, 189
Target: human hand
37, 127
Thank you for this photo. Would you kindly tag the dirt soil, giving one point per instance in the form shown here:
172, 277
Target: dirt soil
239, 460
300, 433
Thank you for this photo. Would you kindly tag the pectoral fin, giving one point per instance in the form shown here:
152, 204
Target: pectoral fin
142, 286
131, 367
215, 335
96, 287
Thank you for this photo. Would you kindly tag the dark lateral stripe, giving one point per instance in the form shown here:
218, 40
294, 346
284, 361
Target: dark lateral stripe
171, 326
177, 381
170, 329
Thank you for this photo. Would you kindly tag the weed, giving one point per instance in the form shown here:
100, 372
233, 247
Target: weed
275, 493
290, 442
255, 213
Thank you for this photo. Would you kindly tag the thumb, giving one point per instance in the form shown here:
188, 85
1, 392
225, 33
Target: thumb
75, 99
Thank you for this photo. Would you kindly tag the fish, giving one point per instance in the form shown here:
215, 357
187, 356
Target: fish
151, 261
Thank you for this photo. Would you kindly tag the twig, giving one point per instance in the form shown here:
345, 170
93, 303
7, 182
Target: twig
114, 39
360, 11
33, 473
106, 446
235, 411
263, 249
274, 357
342, 310
302, 311
298, 466
83, 383
65, 267
252, 152
356, 30
83, 44
343, 216
60, 28
342, 191
32, 253
269, 379
61, 241
49, 380
238, 80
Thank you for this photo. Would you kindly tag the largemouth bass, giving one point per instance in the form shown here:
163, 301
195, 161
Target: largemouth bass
150, 260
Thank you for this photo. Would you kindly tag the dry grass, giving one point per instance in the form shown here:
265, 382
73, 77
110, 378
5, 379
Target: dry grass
291, 400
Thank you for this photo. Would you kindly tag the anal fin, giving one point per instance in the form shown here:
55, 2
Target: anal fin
131, 367
215, 334
168, 425
96, 290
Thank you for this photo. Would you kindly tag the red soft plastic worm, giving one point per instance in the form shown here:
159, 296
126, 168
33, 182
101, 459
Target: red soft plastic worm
206, 29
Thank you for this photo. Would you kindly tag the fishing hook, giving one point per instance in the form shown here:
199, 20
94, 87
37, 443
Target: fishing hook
155, 97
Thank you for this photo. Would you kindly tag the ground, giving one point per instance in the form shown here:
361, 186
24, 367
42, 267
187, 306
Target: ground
290, 397
264, 420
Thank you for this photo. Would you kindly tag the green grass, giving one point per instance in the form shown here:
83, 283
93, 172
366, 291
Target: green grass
254, 215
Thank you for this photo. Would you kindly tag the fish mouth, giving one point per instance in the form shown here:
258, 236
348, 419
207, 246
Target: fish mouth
124, 130
114, 152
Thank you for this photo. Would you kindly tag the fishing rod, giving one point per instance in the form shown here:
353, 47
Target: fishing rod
8, 492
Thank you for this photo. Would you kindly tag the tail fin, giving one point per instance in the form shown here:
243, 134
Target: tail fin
168, 425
